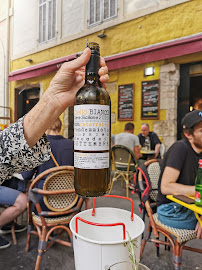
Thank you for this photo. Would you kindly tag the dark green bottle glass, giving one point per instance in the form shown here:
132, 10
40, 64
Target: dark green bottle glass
92, 132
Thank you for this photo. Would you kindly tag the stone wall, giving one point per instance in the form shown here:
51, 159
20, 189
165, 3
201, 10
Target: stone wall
169, 82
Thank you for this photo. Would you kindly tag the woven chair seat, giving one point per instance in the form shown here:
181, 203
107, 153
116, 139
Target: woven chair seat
52, 220
182, 235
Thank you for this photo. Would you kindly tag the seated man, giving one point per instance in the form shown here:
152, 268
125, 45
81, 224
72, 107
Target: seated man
155, 143
17, 203
180, 165
128, 139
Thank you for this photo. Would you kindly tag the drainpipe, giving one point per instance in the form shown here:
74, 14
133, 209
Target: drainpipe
7, 92
4, 75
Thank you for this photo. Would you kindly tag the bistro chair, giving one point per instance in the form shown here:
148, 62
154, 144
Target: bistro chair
124, 164
176, 238
63, 203
3, 206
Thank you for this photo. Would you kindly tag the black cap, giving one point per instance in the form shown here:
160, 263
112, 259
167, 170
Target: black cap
192, 118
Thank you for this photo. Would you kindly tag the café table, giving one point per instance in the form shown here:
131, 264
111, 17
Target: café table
147, 152
197, 210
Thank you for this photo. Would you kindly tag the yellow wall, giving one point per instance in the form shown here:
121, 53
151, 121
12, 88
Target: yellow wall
134, 75
172, 23
175, 22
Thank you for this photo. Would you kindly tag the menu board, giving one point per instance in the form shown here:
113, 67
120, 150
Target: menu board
150, 100
125, 102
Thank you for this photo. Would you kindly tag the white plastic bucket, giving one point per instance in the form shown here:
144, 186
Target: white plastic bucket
100, 247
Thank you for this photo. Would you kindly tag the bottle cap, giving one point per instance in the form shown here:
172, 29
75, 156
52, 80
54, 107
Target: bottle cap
93, 46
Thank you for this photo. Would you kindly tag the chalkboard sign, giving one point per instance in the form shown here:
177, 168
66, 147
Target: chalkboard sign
150, 100
125, 102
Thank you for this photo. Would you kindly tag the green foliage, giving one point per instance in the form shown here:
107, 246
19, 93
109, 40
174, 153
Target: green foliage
131, 245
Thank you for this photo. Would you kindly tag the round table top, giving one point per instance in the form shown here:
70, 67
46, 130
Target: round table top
148, 152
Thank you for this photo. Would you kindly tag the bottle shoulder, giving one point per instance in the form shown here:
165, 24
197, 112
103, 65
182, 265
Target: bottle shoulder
92, 94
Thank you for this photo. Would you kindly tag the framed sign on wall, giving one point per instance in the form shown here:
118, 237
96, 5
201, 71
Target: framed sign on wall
125, 102
150, 100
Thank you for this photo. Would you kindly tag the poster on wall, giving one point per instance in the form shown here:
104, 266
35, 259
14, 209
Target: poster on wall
150, 100
125, 102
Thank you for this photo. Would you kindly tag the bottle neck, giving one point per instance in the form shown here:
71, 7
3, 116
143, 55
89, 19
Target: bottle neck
92, 68
92, 78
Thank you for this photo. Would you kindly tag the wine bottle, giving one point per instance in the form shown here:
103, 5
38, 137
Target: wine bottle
92, 132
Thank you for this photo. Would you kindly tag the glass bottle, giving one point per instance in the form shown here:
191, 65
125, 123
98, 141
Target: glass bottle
198, 185
147, 144
92, 132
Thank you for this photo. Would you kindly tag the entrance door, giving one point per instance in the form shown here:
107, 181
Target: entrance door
26, 100
189, 92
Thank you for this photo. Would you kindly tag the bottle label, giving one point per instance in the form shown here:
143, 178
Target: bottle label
91, 127
197, 196
91, 160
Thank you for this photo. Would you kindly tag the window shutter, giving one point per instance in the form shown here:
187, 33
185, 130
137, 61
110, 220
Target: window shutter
94, 11
110, 9
100, 10
54, 19
47, 20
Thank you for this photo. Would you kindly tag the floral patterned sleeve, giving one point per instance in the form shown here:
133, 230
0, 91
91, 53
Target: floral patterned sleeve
15, 153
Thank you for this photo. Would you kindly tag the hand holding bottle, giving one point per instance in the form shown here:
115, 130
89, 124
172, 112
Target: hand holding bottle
71, 77
59, 95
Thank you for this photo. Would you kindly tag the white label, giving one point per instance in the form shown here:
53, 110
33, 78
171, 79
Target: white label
91, 127
91, 160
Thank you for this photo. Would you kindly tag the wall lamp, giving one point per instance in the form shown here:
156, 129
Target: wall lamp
103, 35
29, 60
148, 71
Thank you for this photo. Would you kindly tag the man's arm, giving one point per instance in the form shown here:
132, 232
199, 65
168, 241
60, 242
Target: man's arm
198, 230
169, 185
137, 152
157, 149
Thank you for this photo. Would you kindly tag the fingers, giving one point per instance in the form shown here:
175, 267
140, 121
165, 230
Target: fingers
103, 72
102, 61
78, 62
104, 78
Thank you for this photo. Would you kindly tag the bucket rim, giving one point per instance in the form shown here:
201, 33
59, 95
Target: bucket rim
106, 242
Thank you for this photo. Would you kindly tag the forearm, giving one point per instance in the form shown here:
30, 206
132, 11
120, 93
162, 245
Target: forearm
169, 185
177, 189
40, 118
137, 152
157, 149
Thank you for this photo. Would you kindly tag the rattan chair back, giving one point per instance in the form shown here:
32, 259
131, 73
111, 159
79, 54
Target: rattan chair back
154, 171
123, 158
59, 181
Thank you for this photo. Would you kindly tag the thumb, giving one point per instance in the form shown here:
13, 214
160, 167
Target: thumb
80, 61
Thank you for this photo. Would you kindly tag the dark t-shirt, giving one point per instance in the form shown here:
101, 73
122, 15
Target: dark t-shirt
182, 157
154, 140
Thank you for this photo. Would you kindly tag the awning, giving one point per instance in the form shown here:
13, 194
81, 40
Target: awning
156, 52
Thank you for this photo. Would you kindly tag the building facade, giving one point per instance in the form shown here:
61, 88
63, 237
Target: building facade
153, 50
5, 20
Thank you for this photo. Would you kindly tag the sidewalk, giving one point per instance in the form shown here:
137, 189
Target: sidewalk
60, 257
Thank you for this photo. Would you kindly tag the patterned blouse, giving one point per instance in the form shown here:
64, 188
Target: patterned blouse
15, 153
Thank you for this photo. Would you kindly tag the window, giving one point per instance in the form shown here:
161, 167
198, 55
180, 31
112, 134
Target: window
101, 10
47, 20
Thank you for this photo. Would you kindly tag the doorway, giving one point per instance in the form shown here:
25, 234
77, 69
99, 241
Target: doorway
189, 91
25, 100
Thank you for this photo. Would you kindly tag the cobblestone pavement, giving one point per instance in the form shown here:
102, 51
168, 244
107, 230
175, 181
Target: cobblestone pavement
59, 257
